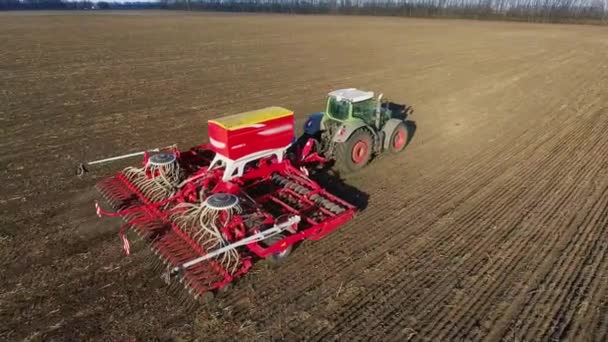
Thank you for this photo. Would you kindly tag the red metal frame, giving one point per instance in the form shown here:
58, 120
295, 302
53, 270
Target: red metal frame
175, 246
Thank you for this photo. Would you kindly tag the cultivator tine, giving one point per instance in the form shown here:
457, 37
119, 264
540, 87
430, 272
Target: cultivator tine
186, 293
157, 261
175, 288
185, 299
117, 194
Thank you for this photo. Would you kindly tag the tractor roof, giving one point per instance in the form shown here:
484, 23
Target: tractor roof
352, 94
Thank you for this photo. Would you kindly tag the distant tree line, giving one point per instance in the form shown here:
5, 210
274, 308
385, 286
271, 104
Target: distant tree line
522, 10
76, 5
595, 11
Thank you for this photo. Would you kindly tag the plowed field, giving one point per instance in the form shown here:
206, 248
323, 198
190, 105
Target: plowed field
493, 224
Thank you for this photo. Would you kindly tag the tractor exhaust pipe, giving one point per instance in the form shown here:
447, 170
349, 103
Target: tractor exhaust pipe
378, 107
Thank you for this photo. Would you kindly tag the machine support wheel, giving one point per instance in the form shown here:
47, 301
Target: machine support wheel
279, 257
398, 138
354, 153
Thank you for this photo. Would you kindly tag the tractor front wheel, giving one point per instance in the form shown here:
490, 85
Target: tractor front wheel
398, 138
354, 153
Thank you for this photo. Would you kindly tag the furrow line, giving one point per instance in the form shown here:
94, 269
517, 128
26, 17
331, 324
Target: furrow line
589, 276
564, 272
434, 248
476, 270
552, 209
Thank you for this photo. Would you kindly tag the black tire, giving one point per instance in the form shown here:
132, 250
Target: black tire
207, 297
398, 139
277, 258
227, 288
344, 154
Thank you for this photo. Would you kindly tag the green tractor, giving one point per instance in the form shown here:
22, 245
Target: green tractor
356, 126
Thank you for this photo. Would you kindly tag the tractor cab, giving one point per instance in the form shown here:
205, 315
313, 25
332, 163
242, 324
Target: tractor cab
354, 104
345, 104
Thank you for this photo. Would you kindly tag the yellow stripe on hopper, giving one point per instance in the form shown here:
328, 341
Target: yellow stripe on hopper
253, 117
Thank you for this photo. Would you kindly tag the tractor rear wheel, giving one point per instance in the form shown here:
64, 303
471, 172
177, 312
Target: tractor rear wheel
398, 138
354, 153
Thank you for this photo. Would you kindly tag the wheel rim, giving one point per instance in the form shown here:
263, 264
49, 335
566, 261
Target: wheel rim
359, 153
284, 252
399, 139
279, 255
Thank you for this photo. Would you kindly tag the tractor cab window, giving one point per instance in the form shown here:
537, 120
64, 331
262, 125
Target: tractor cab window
365, 110
338, 109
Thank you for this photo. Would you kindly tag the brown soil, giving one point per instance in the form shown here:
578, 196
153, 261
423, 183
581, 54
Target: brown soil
492, 225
